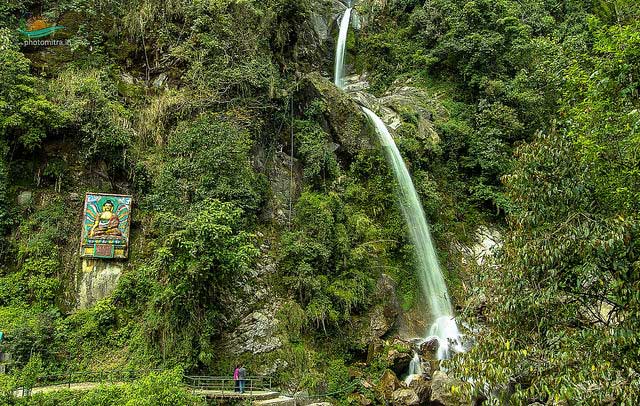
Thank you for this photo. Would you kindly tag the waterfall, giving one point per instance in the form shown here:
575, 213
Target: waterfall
444, 328
414, 368
338, 78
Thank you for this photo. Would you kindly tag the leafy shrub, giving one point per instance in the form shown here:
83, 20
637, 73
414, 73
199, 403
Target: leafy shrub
90, 99
208, 158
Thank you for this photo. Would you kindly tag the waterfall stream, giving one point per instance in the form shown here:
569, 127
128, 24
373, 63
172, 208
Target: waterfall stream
414, 368
338, 75
432, 284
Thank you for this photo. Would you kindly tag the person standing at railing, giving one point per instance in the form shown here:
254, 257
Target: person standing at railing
242, 373
236, 379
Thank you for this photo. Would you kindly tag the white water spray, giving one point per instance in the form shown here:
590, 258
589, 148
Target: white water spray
432, 283
338, 75
415, 369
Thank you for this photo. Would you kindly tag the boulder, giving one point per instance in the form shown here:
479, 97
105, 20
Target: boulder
381, 319
386, 294
406, 101
405, 397
398, 361
388, 384
256, 333
422, 387
406, 110
24, 198
445, 391
359, 399
427, 369
429, 348
342, 117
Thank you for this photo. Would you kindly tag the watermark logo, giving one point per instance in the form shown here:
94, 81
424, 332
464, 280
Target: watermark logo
37, 27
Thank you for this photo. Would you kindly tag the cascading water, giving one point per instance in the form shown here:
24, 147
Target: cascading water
444, 329
338, 75
415, 369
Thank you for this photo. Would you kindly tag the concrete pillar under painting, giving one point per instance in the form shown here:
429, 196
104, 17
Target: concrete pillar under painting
105, 241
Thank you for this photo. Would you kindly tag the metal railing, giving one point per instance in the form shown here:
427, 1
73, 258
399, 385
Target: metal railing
69, 378
215, 385
225, 386
110, 376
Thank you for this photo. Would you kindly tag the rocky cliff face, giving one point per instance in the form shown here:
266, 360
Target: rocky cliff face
97, 280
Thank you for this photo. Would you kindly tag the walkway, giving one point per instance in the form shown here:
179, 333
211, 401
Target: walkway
258, 388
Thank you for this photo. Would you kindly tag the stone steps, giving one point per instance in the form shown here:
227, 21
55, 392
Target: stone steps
279, 401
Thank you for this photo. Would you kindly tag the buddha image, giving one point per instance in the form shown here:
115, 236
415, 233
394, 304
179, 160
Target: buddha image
106, 223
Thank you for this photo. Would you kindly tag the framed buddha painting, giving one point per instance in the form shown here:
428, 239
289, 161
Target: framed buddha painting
105, 226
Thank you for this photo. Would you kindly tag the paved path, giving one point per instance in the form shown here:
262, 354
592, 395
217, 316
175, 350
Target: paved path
254, 395
65, 386
228, 394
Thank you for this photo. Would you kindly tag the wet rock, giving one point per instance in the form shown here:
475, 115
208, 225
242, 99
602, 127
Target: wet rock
398, 362
405, 397
422, 387
427, 369
406, 110
429, 348
445, 391
407, 104
388, 384
356, 83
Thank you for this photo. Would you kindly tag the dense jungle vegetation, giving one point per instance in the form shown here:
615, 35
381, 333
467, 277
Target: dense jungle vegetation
194, 106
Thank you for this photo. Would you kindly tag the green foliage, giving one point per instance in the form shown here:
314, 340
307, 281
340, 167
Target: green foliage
498, 66
90, 99
161, 389
601, 97
26, 115
572, 246
316, 152
158, 388
320, 265
220, 61
31, 372
32, 336
204, 251
36, 278
208, 158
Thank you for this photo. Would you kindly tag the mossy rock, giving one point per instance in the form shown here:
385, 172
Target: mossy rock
341, 117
